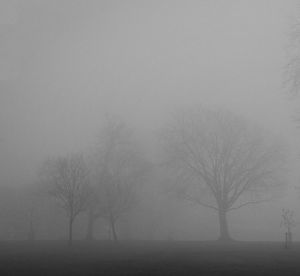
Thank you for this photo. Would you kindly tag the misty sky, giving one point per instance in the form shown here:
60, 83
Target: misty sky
64, 64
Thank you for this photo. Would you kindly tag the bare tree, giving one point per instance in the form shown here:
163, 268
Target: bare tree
288, 222
292, 70
119, 168
20, 209
68, 181
30, 201
117, 197
222, 161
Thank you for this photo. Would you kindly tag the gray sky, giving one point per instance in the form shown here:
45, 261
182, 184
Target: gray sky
63, 64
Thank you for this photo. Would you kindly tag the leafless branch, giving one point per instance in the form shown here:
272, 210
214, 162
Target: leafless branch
249, 203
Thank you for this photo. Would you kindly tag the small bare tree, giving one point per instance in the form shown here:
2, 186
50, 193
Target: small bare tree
68, 181
223, 162
288, 222
117, 197
118, 169
30, 200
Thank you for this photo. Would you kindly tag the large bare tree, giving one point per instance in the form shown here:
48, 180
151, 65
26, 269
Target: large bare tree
222, 161
67, 181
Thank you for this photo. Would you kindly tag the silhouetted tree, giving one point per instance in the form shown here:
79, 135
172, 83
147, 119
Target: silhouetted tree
119, 168
30, 203
292, 72
67, 180
288, 222
229, 161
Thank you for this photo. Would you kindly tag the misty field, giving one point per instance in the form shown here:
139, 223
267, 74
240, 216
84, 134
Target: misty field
148, 258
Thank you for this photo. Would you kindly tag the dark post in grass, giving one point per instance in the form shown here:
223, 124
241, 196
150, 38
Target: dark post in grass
288, 222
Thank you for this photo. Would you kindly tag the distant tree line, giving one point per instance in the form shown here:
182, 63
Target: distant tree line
213, 158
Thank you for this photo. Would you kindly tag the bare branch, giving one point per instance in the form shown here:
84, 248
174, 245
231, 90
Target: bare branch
249, 203
196, 200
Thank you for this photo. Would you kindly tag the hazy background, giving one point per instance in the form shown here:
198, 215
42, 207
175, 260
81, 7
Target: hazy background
64, 64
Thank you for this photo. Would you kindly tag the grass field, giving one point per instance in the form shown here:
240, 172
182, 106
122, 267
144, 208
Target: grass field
148, 258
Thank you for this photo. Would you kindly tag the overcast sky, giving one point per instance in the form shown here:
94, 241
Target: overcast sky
64, 64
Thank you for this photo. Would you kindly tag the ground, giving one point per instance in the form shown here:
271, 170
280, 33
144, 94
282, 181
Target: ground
148, 258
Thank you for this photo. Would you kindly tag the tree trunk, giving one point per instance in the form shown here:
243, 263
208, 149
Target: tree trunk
70, 231
113, 229
90, 226
31, 233
224, 233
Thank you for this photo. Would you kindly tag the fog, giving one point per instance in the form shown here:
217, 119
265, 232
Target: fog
66, 65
